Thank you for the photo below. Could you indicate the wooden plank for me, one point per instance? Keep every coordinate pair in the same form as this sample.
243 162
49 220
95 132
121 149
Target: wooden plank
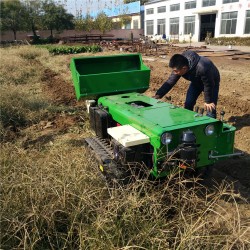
240 57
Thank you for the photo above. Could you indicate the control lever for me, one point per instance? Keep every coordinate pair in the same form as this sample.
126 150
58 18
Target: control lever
222 113
197 111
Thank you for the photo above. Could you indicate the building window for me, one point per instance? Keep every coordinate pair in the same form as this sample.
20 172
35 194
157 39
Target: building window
228 22
190 5
174 26
175 7
135 24
161 9
206 3
230 1
150 11
117 25
127 26
247 27
189 25
161 26
150 27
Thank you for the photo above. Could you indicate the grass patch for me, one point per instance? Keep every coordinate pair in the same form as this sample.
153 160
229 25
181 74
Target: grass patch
57 200
31 52
19 109
22 101
53 197
19 66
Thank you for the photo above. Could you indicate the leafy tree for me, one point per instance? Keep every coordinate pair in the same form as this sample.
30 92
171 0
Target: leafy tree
12 16
86 23
125 19
33 13
89 23
79 23
103 22
55 17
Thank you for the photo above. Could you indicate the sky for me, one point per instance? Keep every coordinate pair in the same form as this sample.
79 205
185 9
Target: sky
88 6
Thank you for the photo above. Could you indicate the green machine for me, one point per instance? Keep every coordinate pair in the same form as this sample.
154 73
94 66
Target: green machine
132 128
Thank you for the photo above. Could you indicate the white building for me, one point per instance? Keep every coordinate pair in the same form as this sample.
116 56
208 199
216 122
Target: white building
182 19
132 11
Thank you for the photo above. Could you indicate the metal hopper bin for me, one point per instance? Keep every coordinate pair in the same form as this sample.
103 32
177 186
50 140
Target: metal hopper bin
94 77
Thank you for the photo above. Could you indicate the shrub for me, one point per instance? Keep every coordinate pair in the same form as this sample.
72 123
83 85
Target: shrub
47 40
64 49
237 41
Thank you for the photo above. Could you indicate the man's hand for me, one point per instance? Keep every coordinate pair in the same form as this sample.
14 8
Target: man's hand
209 106
157 97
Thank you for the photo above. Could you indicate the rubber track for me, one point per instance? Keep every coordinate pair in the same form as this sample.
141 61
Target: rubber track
101 149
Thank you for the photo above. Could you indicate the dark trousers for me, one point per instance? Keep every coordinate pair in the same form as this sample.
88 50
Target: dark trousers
193 93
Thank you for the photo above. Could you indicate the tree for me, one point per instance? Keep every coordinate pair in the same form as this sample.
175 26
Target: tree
86 23
131 1
125 19
89 23
55 17
103 22
12 17
33 13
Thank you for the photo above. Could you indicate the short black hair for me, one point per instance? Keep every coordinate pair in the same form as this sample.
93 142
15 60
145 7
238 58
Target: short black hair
178 61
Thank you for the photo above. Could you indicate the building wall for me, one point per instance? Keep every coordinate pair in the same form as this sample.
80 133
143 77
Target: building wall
217 11
135 17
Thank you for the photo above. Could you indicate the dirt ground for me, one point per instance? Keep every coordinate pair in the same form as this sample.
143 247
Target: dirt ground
234 99
234 95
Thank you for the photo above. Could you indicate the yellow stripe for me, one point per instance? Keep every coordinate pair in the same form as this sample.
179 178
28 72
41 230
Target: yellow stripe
101 167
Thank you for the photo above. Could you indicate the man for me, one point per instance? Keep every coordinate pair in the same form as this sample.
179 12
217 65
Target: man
203 76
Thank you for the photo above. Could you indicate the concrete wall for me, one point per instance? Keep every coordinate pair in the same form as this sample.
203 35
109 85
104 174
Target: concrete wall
121 33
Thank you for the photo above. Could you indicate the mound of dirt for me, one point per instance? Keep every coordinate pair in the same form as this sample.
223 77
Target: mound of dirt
60 91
